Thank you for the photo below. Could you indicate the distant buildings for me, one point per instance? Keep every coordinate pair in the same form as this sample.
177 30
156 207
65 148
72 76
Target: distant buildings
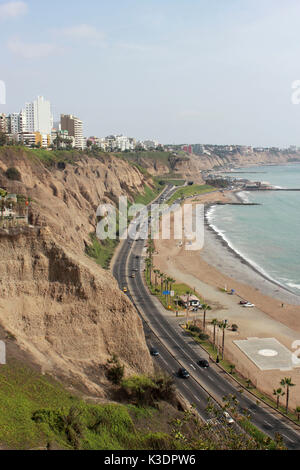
74 127
34 127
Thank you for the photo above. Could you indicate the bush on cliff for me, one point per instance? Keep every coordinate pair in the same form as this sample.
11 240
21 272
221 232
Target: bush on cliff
115 372
13 174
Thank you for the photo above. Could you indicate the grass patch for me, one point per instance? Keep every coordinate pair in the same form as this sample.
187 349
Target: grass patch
22 392
189 191
101 251
37 411
149 194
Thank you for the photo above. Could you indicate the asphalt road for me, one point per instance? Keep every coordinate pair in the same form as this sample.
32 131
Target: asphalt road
177 350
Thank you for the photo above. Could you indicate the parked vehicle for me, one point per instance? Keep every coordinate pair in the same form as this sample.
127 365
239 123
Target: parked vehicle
125 290
133 275
183 374
249 305
244 302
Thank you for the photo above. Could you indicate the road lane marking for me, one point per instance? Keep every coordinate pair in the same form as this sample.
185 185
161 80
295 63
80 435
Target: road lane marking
293 442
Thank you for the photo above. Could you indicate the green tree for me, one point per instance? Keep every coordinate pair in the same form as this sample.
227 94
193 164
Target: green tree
215 324
3 139
298 412
223 326
287 383
278 393
205 308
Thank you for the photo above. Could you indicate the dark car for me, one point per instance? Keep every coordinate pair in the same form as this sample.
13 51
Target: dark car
243 302
154 352
183 374
203 363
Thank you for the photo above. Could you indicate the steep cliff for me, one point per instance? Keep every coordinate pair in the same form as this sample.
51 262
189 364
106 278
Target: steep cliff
59 305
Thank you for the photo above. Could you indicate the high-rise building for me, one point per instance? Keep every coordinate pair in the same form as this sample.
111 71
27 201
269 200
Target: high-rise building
37 116
74 126
15 123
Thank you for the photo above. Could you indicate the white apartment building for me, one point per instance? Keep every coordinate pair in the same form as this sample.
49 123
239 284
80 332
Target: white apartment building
37 116
15 123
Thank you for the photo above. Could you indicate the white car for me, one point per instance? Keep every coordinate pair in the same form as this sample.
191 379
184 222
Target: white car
228 418
249 305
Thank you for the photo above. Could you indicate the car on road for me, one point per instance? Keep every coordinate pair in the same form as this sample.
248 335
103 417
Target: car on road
133 275
203 363
154 352
228 418
183 373
125 290
244 302
249 305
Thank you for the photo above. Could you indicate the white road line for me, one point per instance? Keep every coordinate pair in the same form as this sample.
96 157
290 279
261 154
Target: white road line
288 439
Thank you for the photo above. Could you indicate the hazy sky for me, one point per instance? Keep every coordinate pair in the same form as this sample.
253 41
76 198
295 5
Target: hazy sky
207 71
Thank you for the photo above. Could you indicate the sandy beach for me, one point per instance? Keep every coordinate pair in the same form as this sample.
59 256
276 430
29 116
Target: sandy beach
217 266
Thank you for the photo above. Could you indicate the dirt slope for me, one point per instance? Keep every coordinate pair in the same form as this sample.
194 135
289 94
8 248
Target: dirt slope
62 307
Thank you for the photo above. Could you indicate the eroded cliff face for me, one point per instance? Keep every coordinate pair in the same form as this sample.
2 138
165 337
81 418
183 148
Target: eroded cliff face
207 162
61 307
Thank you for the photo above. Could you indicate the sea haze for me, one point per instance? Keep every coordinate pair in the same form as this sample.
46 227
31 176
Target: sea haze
268 236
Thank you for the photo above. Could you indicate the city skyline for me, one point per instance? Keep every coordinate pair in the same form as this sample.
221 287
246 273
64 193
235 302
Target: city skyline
174 73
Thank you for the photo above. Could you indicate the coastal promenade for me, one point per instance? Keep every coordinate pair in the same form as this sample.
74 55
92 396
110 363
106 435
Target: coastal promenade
178 350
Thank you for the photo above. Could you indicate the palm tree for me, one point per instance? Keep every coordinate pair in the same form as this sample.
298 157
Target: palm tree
223 326
156 272
149 266
162 277
287 383
214 323
169 282
278 393
188 293
205 308
298 412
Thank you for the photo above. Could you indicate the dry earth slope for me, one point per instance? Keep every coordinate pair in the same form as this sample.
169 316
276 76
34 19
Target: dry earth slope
61 307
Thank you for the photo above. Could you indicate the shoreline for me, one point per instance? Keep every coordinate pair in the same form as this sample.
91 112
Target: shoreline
293 299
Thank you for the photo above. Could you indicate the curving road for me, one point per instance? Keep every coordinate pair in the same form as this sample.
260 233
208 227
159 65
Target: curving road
177 349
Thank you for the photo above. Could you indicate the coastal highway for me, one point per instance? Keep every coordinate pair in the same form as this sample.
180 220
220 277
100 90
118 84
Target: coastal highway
178 350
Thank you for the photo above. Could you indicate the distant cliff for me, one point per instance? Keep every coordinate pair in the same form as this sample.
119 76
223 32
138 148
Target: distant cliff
61 307
181 164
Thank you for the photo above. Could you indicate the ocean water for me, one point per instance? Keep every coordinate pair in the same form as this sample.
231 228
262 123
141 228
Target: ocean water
268 236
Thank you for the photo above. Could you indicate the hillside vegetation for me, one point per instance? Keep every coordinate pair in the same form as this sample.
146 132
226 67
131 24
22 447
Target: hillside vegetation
39 413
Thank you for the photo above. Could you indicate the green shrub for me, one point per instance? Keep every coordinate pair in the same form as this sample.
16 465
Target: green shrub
203 337
13 174
195 329
146 391
115 371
